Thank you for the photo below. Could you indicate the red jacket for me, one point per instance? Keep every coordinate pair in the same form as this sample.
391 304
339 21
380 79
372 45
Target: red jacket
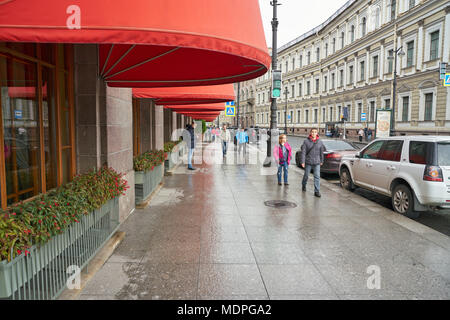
278 152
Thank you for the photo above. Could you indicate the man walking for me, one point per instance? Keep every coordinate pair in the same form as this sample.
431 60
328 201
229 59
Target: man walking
361 134
190 140
225 136
242 139
312 158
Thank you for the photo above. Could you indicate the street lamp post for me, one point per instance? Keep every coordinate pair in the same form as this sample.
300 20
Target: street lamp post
273 106
395 54
285 110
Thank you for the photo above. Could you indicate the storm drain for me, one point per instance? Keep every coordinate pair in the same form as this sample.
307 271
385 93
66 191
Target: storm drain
280 204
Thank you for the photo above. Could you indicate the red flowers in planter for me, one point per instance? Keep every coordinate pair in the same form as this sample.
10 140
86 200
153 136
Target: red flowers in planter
148 160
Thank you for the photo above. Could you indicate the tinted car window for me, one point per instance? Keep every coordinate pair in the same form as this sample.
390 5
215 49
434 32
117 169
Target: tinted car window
372 151
392 150
337 145
444 153
421 152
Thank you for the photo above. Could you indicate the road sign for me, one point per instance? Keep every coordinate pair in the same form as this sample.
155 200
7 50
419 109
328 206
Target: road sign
363 117
447 80
229 103
230 111
18 114
289 117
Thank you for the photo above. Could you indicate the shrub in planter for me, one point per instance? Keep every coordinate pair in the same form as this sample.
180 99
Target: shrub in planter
36 221
149 160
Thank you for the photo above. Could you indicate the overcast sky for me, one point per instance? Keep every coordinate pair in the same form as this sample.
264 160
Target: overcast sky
296 17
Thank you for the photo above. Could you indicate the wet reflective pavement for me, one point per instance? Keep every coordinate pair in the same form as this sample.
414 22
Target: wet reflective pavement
208 235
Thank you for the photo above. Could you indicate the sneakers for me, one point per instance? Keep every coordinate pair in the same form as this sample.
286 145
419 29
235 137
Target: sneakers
317 194
279 183
191 168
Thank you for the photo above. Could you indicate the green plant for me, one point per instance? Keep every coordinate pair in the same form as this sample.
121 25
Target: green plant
35 222
168 146
149 160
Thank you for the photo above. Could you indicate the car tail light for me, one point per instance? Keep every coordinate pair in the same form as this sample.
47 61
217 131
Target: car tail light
433 173
333 156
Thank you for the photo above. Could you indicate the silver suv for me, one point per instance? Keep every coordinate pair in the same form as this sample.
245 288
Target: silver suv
413 170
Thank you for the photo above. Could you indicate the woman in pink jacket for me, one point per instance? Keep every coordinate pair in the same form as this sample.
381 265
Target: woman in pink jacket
283 155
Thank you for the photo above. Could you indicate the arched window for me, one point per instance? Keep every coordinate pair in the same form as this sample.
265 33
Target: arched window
342 39
363 27
352 33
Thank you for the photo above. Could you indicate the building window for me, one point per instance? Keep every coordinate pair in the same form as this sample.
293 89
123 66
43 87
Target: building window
339 113
350 72
300 92
405 110
333 78
298 116
410 54
309 57
387 103
375 66
331 114
37 129
325 83
377 17
278 117
315 115
352 33
362 70
326 49
306 116
317 54
287 66
359 112
293 63
324 115
412 4
308 88
342 40
363 26
372 111
428 107
292 91
334 45
390 61
393 9
317 86
264 98
301 61
341 78
434 45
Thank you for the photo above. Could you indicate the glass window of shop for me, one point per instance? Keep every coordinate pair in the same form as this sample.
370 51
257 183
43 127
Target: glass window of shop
36 119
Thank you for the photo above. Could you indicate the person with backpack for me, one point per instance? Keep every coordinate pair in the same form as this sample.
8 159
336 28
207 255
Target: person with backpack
283 155
312 158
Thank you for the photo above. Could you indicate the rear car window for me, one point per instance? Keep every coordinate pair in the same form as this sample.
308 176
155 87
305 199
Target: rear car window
392 150
421 152
443 153
338 145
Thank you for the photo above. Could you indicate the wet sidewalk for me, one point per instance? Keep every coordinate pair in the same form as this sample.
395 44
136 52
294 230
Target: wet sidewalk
208 235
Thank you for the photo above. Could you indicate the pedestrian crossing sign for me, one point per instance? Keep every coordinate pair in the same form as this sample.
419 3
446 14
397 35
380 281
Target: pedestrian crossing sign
447 80
230 111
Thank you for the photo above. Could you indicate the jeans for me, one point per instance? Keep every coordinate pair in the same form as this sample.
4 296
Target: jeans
316 169
191 152
281 167
224 147
242 146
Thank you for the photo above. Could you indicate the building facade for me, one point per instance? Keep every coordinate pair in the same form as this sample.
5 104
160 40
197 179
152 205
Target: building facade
344 63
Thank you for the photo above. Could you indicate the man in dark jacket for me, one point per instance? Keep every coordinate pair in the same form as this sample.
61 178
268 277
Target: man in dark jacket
312 158
190 141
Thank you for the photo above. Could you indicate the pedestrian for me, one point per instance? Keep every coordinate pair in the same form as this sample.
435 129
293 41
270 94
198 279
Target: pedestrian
241 137
190 140
225 136
312 158
365 133
283 155
360 134
369 134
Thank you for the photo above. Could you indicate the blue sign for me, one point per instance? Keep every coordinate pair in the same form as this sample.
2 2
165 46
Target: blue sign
447 80
230 111
363 117
18 114
345 115
229 103
289 117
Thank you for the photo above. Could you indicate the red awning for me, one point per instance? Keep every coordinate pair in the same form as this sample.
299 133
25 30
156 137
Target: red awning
187 95
150 43
218 107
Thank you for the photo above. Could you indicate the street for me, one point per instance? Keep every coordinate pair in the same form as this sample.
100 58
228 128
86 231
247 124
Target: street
439 221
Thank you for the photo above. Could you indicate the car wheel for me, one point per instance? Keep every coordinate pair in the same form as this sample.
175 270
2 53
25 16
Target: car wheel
403 201
346 180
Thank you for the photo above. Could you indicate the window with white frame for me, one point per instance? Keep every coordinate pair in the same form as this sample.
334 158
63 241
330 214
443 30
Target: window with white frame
404 111
427 104
298 116
375 66
300 92
306 116
352 33
363 26
351 74
410 54
433 39
362 70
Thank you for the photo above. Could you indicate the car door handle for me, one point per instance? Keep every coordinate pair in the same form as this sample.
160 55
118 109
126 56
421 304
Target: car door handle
391 168
369 165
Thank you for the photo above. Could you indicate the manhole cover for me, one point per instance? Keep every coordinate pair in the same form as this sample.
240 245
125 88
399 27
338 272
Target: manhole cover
280 204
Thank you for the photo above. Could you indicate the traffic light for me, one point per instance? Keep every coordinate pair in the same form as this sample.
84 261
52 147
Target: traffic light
276 83
442 70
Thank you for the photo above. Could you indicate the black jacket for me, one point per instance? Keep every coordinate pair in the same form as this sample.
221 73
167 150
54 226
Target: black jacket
190 136
312 152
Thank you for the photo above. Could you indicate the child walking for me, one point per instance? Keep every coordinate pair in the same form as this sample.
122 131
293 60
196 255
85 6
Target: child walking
283 155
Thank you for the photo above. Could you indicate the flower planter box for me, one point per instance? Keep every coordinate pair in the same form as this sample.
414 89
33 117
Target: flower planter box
146 182
44 272
172 158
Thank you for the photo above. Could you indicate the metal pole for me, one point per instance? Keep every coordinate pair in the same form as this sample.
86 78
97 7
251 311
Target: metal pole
238 102
394 89
285 111
273 106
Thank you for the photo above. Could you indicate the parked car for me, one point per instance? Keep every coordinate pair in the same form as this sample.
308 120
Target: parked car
413 170
334 151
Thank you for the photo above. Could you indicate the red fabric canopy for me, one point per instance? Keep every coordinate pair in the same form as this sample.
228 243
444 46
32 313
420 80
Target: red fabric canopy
218 107
187 95
150 43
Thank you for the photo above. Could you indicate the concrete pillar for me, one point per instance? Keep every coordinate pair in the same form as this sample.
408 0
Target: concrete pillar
103 123
174 126
146 124
420 46
446 57
158 127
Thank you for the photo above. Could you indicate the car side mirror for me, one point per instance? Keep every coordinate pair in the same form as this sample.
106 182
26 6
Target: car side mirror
358 155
